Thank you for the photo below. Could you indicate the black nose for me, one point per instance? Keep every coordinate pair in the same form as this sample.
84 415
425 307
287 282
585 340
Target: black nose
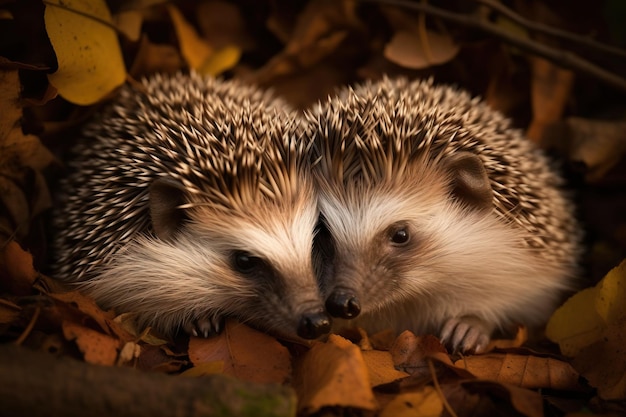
343 304
313 325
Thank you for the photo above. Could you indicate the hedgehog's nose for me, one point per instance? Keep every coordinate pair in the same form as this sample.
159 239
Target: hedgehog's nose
344 304
313 325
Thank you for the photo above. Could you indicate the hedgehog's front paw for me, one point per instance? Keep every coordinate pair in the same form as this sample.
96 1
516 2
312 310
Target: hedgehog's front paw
205 327
466 334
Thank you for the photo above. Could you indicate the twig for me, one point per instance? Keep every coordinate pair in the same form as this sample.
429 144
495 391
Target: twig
538 27
562 58
444 400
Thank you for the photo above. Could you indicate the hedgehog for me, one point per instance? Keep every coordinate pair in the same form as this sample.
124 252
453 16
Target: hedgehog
190 200
437 216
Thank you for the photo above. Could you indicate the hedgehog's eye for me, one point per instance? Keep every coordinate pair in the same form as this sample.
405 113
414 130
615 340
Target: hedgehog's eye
399 236
246 263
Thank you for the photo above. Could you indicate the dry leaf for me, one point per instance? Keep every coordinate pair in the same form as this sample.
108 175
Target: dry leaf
424 403
197 52
584 318
380 367
153 57
97 348
206 368
521 336
409 352
526 402
603 363
524 371
194 49
9 311
599 144
246 353
129 23
23 192
87 306
550 90
222 60
87 49
409 50
16 269
319 30
333 374
222 24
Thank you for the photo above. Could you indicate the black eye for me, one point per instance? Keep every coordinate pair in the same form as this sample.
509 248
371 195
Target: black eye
246 263
399 236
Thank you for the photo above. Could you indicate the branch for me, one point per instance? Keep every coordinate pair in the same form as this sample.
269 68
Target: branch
39 384
550 31
563 58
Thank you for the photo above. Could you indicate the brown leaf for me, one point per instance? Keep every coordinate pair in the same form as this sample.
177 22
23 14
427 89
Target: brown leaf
16 269
9 311
88 307
380 367
155 358
528 403
153 57
222 24
409 352
246 353
524 371
550 90
603 363
319 30
96 347
23 195
333 374
599 144
413 51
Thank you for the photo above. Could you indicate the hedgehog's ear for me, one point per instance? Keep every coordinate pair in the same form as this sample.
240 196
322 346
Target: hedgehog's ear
470 182
166 197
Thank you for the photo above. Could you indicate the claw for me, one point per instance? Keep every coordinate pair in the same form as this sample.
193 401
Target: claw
466 334
205 327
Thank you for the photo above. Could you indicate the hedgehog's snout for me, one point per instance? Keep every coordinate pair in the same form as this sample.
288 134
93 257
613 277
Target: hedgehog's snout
343 303
313 325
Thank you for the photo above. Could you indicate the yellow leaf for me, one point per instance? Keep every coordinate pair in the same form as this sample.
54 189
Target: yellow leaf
87 49
424 403
583 319
194 49
222 60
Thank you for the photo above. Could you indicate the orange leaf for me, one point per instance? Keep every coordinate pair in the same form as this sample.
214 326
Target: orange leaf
97 348
194 49
380 367
333 374
409 50
523 371
246 353
520 338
